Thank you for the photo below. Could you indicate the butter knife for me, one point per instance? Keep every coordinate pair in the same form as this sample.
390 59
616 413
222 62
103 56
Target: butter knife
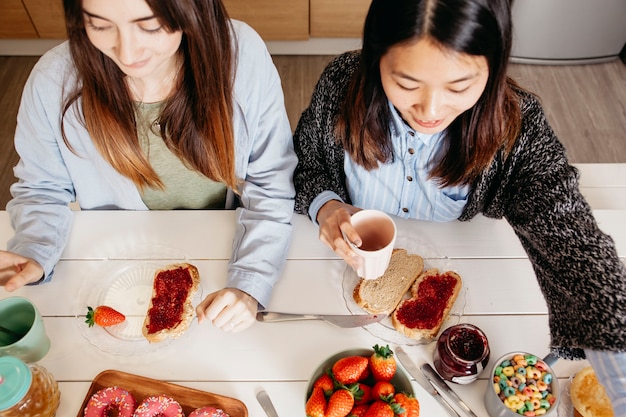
415 372
266 403
339 320
441 385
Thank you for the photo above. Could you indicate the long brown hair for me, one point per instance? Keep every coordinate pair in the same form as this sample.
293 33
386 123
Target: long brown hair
196 121
474 27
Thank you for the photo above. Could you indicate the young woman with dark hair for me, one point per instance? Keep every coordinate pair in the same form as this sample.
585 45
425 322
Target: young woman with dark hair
155 105
424 123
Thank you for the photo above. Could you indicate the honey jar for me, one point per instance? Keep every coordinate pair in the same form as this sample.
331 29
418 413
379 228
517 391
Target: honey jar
27 390
461 354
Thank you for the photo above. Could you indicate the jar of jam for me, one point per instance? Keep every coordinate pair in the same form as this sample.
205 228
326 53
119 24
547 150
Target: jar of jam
461 354
27 390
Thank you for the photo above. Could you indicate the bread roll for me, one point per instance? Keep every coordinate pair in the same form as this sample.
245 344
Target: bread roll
588 395
171 310
432 296
382 295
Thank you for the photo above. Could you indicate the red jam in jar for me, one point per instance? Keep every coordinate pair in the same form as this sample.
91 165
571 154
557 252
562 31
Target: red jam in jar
461 354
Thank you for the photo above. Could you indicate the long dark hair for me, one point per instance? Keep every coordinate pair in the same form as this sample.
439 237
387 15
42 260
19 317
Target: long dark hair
196 121
474 27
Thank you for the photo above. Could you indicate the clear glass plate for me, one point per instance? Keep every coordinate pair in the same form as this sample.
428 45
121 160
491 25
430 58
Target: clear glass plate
127 287
384 329
566 408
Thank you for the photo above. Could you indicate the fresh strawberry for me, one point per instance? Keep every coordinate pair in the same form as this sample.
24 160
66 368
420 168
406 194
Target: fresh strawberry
316 404
382 363
326 383
351 369
383 390
379 408
363 395
103 316
340 403
359 410
409 404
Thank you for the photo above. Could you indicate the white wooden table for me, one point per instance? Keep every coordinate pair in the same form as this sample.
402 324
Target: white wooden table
280 357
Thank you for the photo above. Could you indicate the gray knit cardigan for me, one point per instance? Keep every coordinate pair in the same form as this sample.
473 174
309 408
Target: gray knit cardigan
534 189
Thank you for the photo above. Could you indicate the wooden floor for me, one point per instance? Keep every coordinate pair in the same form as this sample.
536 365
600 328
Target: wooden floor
586 104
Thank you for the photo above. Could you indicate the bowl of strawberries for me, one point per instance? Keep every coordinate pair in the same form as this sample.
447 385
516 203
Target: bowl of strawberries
361 383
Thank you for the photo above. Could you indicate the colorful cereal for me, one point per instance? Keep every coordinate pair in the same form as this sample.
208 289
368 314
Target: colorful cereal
524 384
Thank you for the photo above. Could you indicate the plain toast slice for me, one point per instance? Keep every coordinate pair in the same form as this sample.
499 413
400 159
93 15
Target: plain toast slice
383 294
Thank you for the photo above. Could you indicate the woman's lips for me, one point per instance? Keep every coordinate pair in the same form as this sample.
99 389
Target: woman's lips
137 64
429 124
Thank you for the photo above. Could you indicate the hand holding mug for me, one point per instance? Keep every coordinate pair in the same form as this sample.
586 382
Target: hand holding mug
377 235
334 223
363 238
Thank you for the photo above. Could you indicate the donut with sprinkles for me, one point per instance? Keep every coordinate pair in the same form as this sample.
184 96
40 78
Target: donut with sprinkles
208 412
159 405
110 399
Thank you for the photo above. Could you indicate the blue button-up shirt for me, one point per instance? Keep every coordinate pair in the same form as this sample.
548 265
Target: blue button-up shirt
401 187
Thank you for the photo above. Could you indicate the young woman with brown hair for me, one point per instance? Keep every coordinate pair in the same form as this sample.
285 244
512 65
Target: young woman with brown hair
423 123
155 105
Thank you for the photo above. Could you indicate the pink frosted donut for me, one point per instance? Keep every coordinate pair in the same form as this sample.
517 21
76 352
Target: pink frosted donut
109 399
160 405
209 412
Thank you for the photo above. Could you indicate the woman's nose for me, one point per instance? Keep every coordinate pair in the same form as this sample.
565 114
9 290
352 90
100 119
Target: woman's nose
430 104
126 48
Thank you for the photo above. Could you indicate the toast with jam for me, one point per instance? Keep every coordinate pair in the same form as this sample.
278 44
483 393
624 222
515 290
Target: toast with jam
171 309
432 296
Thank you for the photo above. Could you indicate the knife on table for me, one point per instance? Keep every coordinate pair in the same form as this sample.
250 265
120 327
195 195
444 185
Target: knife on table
415 372
441 385
339 320
266 404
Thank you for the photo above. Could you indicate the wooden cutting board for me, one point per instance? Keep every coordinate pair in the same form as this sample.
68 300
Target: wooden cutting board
142 387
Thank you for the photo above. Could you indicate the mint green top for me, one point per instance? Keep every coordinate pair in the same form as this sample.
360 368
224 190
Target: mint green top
15 380
184 187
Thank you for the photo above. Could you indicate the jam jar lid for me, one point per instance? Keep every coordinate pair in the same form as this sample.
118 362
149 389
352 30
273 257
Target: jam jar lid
15 380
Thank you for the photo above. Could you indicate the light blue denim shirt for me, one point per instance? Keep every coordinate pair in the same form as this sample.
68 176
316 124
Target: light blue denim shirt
50 176
402 186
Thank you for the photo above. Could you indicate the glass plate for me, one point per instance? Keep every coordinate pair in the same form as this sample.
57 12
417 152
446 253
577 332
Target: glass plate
566 408
384 329
127 287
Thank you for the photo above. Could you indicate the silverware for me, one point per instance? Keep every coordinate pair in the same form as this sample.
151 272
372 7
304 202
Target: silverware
339 320
266 403
414 371
438 382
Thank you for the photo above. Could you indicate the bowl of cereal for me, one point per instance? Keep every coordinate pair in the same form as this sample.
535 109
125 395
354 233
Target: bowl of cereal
522 384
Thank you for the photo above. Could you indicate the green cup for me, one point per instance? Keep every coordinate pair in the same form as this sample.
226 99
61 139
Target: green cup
22 333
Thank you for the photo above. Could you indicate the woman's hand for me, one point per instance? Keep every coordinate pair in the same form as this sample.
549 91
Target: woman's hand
17 271
333 219
230 309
